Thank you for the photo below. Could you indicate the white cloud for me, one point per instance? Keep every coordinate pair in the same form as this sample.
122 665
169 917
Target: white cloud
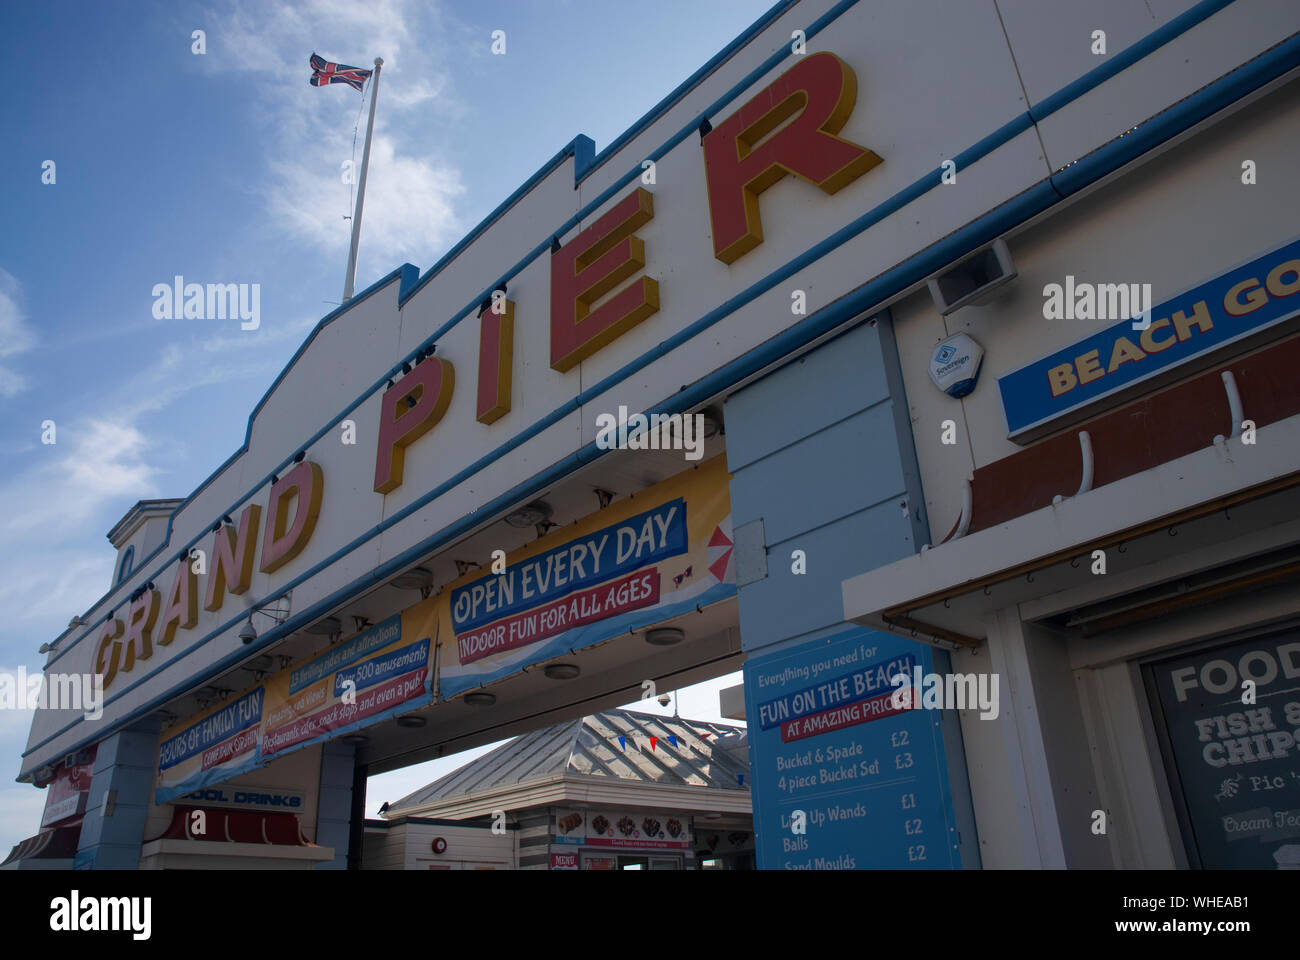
66 582
409 209
92 463
16 336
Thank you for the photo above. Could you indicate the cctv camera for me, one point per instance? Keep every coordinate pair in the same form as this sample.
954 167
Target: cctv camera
248 634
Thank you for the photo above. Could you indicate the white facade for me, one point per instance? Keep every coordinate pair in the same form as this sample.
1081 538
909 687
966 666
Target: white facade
992 121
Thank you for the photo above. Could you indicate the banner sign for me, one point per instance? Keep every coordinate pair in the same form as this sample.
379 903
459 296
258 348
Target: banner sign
635 563
66 795
366 678
219 743
1235 762
844 779
345 687
1241 302
248 798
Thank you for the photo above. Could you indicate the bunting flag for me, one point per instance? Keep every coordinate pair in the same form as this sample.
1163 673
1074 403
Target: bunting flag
622 744
672 738
653 741
740 779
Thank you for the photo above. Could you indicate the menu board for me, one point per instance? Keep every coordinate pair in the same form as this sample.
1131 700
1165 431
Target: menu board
843 777
627 829
1232 751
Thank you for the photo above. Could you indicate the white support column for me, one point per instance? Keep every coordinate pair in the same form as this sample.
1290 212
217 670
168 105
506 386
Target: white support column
1030 783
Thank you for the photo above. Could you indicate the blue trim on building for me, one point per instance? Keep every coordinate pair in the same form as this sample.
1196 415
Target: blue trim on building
1207 101
693 81
580 148
1175 119
1130 55
126 565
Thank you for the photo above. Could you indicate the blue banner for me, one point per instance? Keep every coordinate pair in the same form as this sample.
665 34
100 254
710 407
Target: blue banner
583 562
1243 301
407 659
864 683
360 646
240 715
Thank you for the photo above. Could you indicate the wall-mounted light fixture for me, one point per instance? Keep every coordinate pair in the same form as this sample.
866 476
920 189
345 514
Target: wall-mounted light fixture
529 515
326 627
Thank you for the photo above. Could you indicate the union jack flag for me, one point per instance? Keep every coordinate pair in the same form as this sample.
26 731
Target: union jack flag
324 73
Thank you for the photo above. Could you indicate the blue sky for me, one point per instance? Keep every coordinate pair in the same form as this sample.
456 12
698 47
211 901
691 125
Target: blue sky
225 168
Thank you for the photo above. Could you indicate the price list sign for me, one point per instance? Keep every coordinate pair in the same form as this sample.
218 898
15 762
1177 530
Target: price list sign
846 775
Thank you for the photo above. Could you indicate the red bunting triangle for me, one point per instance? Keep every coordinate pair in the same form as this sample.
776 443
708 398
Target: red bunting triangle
653 741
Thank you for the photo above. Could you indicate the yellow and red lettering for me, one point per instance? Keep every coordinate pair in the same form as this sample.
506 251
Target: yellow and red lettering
496 352
1124 351
109 643
1088 366
182 609
1255 298
232 558
1062 379
1148 339
743 157
591 265
429 386
138 643
1200 319
1277 286
282 541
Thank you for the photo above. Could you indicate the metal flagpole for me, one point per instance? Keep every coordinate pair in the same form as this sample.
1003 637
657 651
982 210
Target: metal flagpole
361 186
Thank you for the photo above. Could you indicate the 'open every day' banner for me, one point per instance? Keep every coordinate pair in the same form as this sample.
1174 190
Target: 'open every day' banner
637 562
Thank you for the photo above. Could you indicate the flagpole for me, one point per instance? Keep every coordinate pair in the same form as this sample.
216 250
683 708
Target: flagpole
361 186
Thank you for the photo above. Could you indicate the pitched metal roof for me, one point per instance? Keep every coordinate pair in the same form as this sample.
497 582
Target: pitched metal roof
703 756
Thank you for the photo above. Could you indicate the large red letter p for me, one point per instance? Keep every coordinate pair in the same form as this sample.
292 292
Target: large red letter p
409 410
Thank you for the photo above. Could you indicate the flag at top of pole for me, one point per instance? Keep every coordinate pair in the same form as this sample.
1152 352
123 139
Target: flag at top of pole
323 74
